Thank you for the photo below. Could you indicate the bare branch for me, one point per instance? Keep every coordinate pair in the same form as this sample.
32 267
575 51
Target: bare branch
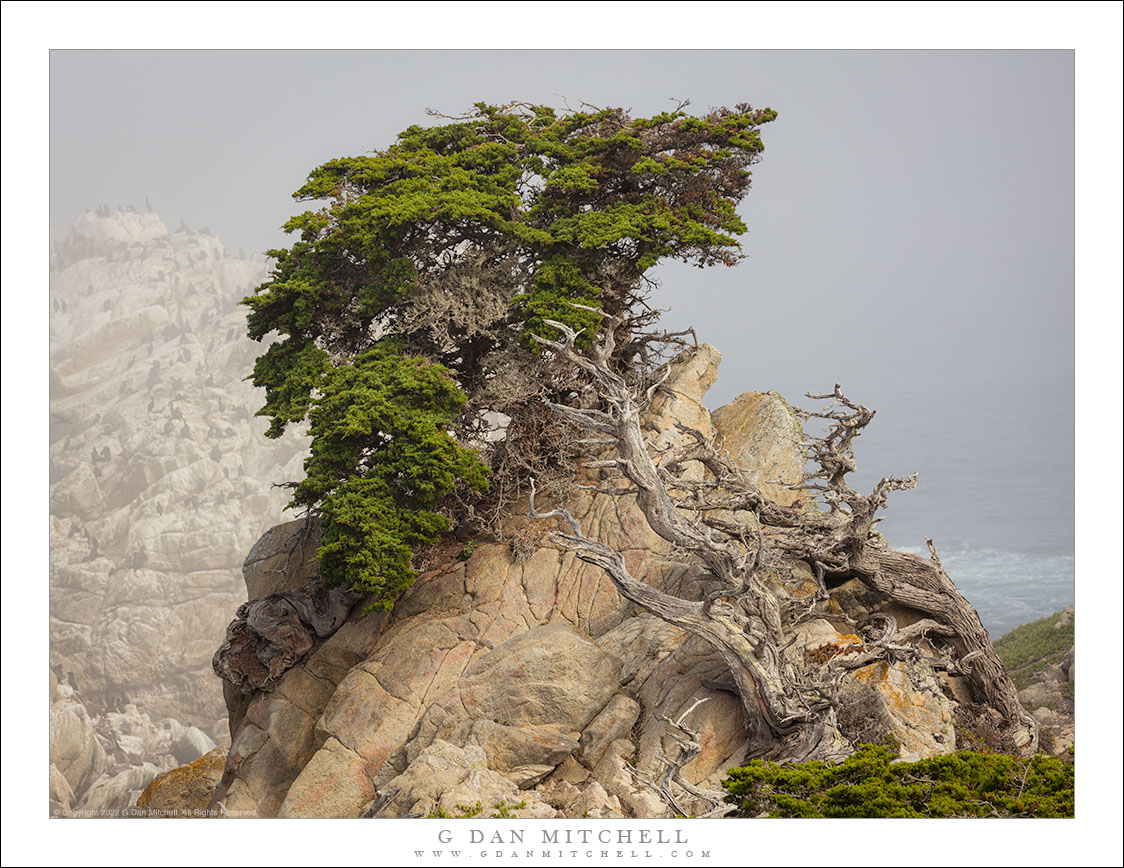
791 709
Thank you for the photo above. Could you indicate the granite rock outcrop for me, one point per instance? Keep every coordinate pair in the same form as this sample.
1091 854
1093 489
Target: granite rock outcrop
527 686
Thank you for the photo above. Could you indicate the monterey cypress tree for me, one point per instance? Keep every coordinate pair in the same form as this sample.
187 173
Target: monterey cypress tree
406 307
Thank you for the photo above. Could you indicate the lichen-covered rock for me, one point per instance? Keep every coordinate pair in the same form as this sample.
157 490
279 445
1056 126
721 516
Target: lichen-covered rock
185 791
910 701
906 701
762 434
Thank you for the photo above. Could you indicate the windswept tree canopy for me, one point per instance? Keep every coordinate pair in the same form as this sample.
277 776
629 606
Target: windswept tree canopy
406 308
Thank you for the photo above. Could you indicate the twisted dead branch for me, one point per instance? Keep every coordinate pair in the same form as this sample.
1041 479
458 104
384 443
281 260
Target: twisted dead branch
689 748
730 527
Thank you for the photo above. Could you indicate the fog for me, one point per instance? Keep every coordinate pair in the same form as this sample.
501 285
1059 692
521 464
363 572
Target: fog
911 224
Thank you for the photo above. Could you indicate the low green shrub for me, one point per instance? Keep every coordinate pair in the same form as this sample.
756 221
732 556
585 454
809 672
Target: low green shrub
871 783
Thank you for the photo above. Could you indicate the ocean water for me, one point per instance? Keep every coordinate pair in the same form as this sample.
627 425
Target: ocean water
996 491
1008 588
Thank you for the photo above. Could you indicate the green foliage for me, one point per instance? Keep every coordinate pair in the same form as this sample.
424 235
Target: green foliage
381 457
291 373
550 210
558 284
871 783
500 810
503 811
1032 647
590 200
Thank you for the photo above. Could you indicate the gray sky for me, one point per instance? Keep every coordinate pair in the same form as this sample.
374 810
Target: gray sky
911 225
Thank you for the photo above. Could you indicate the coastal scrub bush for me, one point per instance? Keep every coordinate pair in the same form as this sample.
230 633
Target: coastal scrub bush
871 783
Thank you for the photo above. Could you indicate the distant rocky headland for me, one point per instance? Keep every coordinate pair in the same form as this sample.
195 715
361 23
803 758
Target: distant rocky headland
160 481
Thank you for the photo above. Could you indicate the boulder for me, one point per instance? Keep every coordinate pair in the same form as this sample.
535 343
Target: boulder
61 793
435 771
615 773
108 792
190 743
593 802
761 433
283 559
487 794
545 675
613 722
679 399
185 791
909 702
76 753
526 751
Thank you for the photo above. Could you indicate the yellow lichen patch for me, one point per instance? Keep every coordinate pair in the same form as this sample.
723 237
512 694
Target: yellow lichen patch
920 717
185 791
873 673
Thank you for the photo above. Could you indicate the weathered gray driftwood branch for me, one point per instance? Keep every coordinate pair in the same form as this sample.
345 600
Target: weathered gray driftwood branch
792 710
